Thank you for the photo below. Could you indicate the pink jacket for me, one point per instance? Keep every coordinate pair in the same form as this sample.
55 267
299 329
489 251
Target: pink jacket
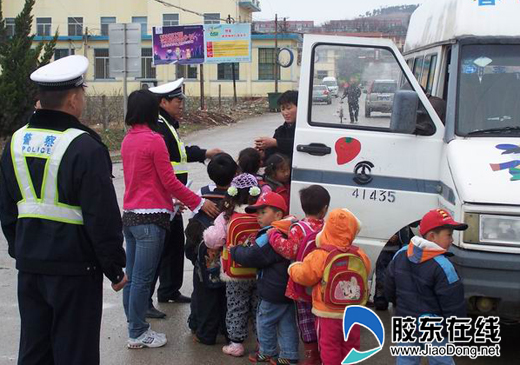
150 182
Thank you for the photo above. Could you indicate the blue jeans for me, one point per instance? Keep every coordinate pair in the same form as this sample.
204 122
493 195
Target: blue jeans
276 325
432 360
144 246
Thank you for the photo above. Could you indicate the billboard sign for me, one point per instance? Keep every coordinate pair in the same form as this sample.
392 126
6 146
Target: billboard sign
226 43
180 44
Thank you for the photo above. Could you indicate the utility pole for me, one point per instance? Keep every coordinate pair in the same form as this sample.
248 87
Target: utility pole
125 69
229 21
85 43
275 58
201 86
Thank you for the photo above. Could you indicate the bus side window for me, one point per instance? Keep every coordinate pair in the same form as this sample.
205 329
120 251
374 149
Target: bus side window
431 77
446 74
417 68
425 72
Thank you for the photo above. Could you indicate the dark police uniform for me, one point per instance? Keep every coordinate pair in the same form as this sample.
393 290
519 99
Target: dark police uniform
171 270
61 219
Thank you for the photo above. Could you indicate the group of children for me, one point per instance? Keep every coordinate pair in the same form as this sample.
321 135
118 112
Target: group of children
293 278
244 270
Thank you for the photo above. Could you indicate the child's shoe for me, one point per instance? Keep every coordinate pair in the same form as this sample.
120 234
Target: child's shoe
148 339
255 357
282 361
312 354
233 349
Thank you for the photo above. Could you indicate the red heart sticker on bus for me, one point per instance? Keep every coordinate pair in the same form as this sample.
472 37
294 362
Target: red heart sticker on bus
347 149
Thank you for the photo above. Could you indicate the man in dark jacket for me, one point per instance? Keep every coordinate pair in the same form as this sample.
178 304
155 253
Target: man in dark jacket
275 311
421 281
171 270
352 93
62 222
283 138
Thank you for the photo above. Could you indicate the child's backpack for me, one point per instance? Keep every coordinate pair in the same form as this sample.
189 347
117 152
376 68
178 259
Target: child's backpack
207 261
345 278
242 230
308 244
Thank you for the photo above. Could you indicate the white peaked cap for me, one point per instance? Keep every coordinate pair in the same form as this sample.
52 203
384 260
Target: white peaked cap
169 90
65 73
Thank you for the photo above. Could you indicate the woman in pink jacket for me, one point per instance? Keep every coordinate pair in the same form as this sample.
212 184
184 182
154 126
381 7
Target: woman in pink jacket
150 186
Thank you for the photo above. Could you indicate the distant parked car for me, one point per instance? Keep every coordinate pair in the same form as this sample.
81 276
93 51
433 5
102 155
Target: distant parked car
321 94
332 84
380 97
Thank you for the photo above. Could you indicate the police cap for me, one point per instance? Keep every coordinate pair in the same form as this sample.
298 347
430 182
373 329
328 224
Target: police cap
63 74
170 90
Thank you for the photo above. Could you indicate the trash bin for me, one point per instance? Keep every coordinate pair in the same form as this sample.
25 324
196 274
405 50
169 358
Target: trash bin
273 101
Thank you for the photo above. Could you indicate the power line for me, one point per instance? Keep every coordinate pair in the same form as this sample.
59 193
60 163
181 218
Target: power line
182 9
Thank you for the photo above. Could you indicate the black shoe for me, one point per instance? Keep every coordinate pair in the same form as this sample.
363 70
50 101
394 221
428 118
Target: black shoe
153 312
178 299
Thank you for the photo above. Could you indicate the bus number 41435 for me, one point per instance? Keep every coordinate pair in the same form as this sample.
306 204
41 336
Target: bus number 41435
375 195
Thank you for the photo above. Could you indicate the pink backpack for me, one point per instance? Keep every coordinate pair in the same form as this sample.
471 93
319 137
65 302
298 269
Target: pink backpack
307 245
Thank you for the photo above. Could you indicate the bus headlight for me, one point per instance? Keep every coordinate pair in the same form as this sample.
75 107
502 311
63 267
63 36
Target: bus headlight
493 229
499 229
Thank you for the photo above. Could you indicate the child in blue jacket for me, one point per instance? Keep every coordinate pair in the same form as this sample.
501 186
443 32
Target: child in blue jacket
276 313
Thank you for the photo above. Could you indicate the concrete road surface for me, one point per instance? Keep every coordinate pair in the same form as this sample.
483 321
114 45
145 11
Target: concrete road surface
181 350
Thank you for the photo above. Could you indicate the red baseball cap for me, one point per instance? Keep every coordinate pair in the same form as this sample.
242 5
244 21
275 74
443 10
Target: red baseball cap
439 218
268 200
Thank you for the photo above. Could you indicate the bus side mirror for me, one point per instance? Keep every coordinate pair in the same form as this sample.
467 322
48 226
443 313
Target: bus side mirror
404 112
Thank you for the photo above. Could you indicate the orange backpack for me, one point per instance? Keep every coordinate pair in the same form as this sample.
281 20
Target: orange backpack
242 230
345 278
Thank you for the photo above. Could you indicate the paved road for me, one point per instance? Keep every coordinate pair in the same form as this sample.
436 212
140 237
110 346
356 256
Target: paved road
181 350
330 113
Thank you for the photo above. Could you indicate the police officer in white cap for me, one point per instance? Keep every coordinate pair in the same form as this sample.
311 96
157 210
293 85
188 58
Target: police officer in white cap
61 219
171 270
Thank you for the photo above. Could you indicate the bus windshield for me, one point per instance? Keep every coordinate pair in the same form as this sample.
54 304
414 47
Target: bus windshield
489 90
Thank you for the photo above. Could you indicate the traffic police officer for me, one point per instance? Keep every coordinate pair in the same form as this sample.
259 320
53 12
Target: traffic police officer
171 270
61 219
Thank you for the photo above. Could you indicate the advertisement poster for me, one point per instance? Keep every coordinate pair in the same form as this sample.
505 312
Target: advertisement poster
227 43
181 44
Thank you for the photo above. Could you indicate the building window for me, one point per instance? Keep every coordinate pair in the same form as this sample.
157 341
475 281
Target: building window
225 71
105 22
144 23
43 26
320 74
211 18
9 25
60 53
101 64
266 57
187 71
75 26
147 71
170 20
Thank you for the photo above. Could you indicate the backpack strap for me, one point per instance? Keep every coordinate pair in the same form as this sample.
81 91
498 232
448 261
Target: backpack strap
306 228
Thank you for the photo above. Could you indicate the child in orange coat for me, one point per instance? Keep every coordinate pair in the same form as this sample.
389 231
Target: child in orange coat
339 231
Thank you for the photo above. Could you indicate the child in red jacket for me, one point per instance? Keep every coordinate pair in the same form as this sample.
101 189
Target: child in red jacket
315 202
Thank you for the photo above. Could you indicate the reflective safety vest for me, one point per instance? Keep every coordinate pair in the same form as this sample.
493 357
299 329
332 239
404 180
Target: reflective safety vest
180 167
49 145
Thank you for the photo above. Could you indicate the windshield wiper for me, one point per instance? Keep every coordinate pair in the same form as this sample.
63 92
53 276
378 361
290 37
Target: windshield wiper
495 130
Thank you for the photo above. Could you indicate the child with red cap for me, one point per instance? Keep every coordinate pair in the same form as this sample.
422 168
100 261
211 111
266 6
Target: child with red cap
421 281
276 318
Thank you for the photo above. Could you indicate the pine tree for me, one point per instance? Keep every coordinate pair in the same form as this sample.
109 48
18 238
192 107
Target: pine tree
17 62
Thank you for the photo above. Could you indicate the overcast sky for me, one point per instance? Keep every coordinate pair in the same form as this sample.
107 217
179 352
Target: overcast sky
322 10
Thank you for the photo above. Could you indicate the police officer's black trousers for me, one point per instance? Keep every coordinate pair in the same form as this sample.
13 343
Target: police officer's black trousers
60 319
171 268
